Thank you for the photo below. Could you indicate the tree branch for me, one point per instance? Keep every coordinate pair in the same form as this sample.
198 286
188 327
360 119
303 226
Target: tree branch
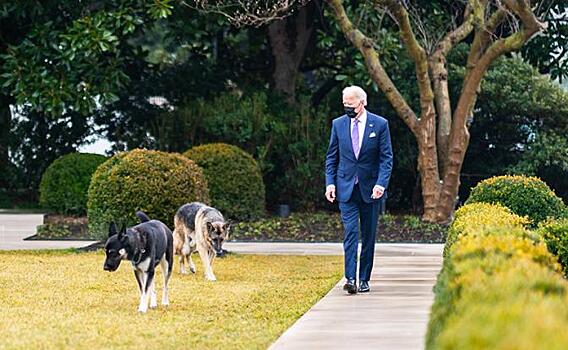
379 75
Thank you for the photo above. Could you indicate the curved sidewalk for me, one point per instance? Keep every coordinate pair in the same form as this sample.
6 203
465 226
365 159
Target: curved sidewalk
15 227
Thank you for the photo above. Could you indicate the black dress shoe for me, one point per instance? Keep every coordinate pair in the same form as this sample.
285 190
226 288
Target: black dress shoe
350 286
364 287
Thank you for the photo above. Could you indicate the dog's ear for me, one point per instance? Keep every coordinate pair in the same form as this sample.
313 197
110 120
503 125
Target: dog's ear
227 227
112 229
122 231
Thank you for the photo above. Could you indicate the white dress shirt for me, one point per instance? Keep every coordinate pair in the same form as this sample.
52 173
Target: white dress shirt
361 125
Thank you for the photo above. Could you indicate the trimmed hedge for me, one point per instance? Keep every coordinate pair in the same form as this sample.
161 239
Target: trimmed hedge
156 182
555 233
525 196
475 218
499 286
235 181
64 184
522 306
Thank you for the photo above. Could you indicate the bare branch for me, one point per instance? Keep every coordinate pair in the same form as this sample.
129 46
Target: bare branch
379 75
248 12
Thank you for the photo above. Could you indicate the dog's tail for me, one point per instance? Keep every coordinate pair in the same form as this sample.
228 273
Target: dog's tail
142 216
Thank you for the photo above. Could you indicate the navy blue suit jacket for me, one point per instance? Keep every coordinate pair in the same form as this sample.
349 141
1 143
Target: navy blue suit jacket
374 165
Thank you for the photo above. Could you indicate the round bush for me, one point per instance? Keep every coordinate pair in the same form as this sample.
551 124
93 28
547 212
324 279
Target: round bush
157 183
234 178
524 195
65 183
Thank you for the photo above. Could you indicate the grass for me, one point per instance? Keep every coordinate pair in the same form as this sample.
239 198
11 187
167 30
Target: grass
65 300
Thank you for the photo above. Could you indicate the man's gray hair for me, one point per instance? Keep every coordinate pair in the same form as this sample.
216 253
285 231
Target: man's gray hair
358 92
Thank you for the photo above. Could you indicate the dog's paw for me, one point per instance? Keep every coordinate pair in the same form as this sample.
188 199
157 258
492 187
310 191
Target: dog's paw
212 278
192 269
142 310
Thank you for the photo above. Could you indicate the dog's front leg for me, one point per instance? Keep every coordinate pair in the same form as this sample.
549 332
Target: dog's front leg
204 255
148 280
211 255
140 280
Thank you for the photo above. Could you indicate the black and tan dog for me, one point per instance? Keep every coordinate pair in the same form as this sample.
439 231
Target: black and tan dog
202 228
146 245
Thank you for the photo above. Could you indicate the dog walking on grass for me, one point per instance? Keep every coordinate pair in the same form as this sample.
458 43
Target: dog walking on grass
202 228
146 245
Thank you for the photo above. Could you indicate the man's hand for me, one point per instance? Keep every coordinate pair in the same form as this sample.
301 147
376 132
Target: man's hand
377 192
330 193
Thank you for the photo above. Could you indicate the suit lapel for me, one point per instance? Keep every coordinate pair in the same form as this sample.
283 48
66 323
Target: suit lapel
347 128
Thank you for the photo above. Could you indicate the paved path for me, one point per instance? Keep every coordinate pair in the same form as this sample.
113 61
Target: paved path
15 227
394 315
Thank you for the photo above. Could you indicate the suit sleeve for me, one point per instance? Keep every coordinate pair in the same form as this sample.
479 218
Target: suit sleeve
332 158
385 157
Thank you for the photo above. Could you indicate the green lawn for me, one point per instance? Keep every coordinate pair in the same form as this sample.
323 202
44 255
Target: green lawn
66 300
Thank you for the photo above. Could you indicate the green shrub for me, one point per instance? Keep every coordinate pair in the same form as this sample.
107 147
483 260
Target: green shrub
525 196
235 182
474 218
555 233
479 257
65 183
156 182
523 305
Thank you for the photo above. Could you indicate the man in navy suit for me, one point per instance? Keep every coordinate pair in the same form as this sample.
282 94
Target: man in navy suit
358 167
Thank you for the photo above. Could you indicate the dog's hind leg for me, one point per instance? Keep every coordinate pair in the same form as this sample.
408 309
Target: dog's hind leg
166 272
181 264
153 296
191 264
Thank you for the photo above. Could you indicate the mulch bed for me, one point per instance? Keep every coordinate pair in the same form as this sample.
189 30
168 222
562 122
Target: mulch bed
299 227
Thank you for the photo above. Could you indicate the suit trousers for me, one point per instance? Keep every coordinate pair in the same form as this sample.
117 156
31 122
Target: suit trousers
358 216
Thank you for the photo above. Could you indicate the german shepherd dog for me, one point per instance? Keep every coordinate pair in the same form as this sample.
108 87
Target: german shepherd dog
146 245
202 228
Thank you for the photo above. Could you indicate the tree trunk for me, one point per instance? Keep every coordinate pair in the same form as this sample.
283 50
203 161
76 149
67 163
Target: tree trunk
289 40
442 145
428 167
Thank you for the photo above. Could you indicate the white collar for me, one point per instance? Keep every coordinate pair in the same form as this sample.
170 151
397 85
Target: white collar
362 117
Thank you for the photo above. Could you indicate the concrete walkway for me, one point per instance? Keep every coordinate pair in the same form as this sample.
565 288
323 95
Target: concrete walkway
15 227
394 315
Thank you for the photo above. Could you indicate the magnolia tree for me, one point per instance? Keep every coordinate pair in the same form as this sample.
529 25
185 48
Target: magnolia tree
492 27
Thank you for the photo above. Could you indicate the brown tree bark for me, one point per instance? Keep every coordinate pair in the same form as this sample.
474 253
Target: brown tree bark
441 134
289 38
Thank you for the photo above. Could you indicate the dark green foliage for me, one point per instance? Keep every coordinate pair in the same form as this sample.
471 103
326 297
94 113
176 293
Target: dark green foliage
157 183
65 183
235 182
525 196
555 233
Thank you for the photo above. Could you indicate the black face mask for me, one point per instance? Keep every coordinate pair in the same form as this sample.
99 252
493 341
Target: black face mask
350 111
